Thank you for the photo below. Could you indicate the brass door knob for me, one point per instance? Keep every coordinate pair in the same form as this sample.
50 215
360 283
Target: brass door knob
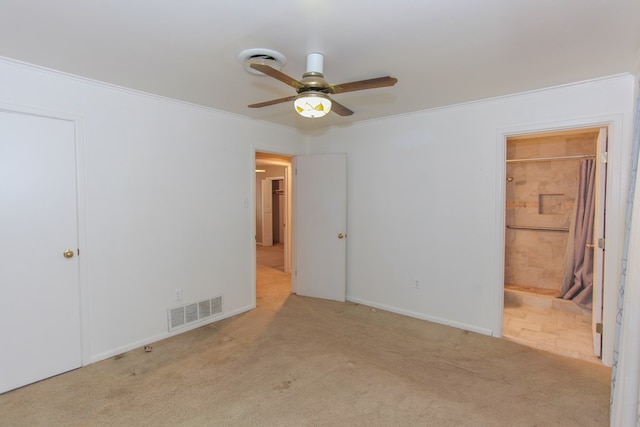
68 253
340 236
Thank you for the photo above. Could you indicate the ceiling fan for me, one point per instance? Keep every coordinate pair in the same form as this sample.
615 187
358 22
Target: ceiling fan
313 90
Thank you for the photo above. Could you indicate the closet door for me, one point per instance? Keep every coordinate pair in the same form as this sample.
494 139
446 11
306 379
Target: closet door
40 303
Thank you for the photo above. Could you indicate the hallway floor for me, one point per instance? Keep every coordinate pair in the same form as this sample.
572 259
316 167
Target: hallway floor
270 256
548 323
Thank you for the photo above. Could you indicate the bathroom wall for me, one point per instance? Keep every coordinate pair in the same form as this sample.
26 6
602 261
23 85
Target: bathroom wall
541 195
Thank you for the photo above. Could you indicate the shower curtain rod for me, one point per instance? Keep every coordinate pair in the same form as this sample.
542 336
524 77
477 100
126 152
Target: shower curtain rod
540 159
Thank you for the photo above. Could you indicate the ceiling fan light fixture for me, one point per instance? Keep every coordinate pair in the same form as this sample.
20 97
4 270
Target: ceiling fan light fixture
312 104
312 100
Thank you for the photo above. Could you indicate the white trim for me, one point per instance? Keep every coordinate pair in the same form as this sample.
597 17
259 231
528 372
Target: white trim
421 316
159 337
616 192
293 184
624 408
111 86
288 248
253 236
497 306
481 101
305 133
85 289
83 275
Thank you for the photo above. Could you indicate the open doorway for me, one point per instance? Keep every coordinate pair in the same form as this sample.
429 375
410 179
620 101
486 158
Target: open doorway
273 224
544 191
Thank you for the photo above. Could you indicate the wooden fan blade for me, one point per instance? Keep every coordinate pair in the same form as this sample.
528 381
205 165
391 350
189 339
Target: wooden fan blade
363 84
272 102
340 109
272 72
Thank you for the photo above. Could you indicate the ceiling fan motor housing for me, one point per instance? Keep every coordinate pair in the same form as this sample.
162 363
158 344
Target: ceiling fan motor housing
313 82
315 63
313 79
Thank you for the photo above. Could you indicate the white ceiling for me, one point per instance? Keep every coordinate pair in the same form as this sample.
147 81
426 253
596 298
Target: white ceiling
442 51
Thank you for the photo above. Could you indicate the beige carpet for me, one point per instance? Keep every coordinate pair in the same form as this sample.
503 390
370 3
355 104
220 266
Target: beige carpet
298 361
271 256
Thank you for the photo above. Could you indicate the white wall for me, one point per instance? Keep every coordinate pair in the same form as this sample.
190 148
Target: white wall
426 198
168 202
168 199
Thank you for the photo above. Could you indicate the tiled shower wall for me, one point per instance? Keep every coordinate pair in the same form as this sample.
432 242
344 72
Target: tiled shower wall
541 194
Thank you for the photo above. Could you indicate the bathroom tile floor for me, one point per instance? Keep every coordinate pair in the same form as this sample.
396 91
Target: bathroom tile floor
549 324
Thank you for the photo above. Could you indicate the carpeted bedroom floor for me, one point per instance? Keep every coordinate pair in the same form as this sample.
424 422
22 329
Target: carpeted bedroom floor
297 361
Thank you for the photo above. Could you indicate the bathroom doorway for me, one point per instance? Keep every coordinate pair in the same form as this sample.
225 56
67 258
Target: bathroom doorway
542 203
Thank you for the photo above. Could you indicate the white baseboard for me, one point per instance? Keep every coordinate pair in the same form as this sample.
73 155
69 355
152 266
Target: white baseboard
141 343
421 316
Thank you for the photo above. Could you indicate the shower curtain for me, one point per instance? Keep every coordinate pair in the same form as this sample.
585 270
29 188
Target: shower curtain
577 278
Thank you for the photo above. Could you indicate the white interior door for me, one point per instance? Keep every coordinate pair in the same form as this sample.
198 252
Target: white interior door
598 239
267 216
40 304
320 226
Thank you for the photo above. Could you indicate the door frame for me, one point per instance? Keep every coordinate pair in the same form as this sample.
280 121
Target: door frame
288 178
599 230
83 288
616 185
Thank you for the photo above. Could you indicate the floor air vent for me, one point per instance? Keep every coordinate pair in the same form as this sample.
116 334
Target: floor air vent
193 312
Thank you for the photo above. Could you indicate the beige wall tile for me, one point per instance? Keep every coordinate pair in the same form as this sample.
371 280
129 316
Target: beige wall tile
536 258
